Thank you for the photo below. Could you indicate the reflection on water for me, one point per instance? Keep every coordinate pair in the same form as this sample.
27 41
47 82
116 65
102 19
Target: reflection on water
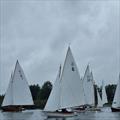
16 116
38 115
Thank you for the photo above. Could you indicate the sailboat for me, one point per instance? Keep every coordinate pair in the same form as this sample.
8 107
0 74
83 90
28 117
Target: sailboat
89 90
104 95
116 101
18 95
88 86
66 90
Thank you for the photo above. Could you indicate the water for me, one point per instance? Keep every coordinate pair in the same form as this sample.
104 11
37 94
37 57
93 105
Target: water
106 114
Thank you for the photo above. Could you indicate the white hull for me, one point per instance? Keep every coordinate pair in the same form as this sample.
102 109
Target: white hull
59 114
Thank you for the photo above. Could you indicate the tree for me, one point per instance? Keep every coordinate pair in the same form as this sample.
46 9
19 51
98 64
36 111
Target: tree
110 90
35 89
1 99
45 91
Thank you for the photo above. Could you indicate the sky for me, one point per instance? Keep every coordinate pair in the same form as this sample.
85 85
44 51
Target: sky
38 33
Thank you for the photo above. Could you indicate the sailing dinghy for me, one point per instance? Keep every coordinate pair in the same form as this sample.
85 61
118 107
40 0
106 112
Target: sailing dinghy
18 95
88 86
116 101
66 90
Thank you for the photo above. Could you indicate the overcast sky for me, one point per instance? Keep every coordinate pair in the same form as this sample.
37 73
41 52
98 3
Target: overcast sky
38 32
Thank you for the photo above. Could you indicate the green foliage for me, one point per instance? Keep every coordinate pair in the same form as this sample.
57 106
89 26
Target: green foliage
45 91
1 99
95 93
34 90
40 95
110 90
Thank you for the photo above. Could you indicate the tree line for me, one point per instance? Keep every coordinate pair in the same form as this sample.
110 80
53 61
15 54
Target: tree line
40 94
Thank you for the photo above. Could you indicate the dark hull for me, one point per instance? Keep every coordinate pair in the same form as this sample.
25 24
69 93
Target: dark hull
12 109
115 109
80 108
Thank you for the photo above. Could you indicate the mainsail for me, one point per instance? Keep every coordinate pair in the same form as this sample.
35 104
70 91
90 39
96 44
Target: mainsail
104 95
67 90
88 87
100 103
18 92
116 100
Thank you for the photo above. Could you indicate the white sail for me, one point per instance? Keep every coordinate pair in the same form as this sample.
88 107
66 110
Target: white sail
18 92
8 99
100 103
71 84
88 87
53 102
68 90
104 95
116 100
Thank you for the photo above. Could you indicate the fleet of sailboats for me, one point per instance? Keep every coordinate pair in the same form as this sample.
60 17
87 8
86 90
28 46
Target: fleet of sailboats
70 93
18 95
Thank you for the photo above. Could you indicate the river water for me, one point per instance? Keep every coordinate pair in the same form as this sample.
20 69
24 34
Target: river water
106 114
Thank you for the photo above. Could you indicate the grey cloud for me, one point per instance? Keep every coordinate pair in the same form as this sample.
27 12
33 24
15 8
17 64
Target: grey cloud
38 34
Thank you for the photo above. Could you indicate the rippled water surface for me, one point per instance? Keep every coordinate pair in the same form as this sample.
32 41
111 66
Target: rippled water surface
106 114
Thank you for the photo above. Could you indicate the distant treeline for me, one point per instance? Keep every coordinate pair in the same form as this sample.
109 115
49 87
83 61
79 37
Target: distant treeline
41 94
110 91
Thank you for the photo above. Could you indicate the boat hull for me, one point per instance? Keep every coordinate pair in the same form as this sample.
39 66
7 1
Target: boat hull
93 109
12 109
115 109
59 114
79 109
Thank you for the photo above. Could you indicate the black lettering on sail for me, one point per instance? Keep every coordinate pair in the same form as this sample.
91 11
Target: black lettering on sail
73 68
20 75
88 78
